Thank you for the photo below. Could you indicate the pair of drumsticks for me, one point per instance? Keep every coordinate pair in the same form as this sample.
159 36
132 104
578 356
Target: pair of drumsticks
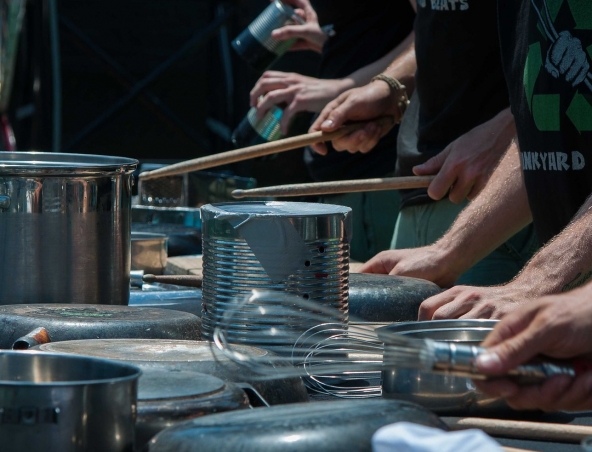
319 188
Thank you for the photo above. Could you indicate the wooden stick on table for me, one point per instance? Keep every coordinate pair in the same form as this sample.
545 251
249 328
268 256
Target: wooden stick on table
259 150
344 186
536 431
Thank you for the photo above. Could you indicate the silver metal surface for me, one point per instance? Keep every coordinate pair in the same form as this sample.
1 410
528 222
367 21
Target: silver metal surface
149 252
276 15
232 270
267 127
194 356
66 403
442 393
166 296
12 13
65 235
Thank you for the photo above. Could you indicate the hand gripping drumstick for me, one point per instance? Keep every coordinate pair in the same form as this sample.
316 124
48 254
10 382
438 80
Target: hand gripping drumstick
259 150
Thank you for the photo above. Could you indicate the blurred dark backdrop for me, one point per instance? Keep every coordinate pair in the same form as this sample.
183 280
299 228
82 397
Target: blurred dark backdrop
150 79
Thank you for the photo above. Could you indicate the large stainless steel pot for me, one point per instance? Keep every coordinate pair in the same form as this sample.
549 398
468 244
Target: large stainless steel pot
442 393
66 403
64 228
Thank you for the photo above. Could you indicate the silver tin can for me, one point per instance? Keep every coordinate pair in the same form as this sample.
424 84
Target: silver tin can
64 228
256 45
294 247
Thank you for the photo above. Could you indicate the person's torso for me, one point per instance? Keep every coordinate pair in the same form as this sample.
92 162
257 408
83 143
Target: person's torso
547 52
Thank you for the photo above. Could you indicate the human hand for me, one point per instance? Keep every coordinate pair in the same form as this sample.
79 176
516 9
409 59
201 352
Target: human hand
463 168
557 326
368 102
426 263
567 58
297 92
309 36
467 302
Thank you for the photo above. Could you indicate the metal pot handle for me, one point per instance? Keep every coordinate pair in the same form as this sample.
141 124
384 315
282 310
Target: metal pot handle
36 337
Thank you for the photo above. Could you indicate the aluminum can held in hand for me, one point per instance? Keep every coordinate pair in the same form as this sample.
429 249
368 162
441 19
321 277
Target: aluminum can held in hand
256 45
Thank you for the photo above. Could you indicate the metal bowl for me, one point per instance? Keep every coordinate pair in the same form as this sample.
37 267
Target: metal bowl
444 394
149 252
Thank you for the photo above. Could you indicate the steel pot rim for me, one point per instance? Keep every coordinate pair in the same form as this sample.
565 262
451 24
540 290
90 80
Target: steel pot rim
134 371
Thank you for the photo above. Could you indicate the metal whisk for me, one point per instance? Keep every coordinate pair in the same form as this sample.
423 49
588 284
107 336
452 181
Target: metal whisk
332 356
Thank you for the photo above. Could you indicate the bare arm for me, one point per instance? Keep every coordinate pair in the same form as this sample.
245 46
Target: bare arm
563 264
497 213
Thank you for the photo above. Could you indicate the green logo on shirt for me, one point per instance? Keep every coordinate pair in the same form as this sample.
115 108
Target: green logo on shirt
562 55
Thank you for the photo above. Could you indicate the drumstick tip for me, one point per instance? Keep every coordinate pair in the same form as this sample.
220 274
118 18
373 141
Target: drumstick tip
238 193
149 278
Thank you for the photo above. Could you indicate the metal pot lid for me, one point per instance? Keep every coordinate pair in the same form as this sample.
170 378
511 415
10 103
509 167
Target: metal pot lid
322 427
53 163
147 349
159 384
271 209
81 313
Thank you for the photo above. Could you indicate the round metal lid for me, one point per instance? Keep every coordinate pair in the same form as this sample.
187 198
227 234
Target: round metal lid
158 384
271 209
77 313
44 163
146 349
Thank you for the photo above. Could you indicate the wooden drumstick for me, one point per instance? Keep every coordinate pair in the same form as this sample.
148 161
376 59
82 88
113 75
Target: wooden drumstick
259 150
344 186
179 280
536 431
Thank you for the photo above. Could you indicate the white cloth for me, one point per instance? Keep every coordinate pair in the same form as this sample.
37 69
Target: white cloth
408 437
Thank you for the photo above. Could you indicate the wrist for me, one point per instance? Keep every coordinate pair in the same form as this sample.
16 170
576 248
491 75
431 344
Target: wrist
398 94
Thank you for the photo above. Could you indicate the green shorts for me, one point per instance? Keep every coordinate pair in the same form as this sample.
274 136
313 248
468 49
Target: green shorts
424 224
374 217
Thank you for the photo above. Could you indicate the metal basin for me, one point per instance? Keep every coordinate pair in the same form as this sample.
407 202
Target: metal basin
444 394
66 403
149 252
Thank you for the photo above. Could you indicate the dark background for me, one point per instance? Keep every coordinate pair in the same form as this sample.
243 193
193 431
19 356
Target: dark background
150 79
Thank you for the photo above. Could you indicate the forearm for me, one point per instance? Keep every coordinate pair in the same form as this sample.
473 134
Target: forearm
398 63
565 262
495 215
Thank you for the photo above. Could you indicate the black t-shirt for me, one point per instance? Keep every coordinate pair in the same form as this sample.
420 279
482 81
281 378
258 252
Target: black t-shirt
547 54
459 79
364 32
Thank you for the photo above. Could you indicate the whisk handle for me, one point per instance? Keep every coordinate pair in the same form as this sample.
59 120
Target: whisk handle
462 358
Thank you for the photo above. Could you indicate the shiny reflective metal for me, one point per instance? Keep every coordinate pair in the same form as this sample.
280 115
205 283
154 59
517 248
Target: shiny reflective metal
190 356
66 403
252 131
231 268
193 189
149 252
256 45
166 296
65 231
441 393
12 13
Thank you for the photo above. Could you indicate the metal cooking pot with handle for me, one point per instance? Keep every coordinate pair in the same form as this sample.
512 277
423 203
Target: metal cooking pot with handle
64 228
64 403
